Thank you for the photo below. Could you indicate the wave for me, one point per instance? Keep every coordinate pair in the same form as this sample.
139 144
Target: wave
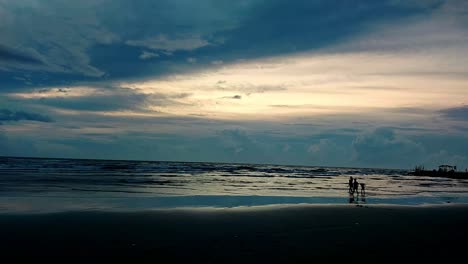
49 176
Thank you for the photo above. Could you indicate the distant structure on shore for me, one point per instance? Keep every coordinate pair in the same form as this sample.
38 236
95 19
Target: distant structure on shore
447 171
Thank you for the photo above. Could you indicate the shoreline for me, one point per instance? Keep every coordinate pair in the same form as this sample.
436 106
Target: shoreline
51 204
239 209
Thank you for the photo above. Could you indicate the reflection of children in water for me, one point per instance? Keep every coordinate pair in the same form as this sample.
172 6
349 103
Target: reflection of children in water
358 199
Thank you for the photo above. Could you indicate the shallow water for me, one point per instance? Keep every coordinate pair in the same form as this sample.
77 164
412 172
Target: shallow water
69 184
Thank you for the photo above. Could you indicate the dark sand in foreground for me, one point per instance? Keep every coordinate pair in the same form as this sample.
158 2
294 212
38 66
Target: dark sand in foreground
241 235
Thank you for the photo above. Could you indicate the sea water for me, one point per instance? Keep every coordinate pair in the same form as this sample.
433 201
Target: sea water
50 185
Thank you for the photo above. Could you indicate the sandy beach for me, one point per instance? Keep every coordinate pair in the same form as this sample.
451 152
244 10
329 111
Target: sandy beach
270 234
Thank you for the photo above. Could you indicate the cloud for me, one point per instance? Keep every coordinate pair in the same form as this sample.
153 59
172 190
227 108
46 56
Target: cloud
243 146
329 151
308 25
7 54
86 40
217 62
456 113
445 157
99 99
191 60
384 147
116 100
248 88
165 43
337 69
440 30
60 42
14 146
8 115
204 139
417 3
234 97
236 29
145 55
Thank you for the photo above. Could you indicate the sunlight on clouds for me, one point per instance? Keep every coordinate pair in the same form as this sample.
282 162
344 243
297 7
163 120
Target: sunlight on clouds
415 63
310 84
304 84
77 91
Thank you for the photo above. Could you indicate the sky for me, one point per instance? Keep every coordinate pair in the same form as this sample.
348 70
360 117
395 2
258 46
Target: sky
351 83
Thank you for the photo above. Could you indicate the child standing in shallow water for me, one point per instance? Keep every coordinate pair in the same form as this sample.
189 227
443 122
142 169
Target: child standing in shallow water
363 188
355 186
350 184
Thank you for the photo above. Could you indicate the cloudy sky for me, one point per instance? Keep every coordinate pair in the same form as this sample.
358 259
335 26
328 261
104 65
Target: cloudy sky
338 83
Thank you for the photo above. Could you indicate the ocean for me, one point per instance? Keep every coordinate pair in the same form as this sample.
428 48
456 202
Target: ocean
52 185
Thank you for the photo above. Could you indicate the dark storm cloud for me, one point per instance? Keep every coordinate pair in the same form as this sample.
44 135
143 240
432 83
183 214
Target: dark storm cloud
7 54
105 40
8 115
281 27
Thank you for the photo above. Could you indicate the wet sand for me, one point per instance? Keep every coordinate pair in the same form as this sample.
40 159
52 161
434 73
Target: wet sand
270 234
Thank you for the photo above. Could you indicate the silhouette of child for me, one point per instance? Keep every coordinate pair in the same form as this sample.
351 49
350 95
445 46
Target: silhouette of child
355 186
363 188
350 184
